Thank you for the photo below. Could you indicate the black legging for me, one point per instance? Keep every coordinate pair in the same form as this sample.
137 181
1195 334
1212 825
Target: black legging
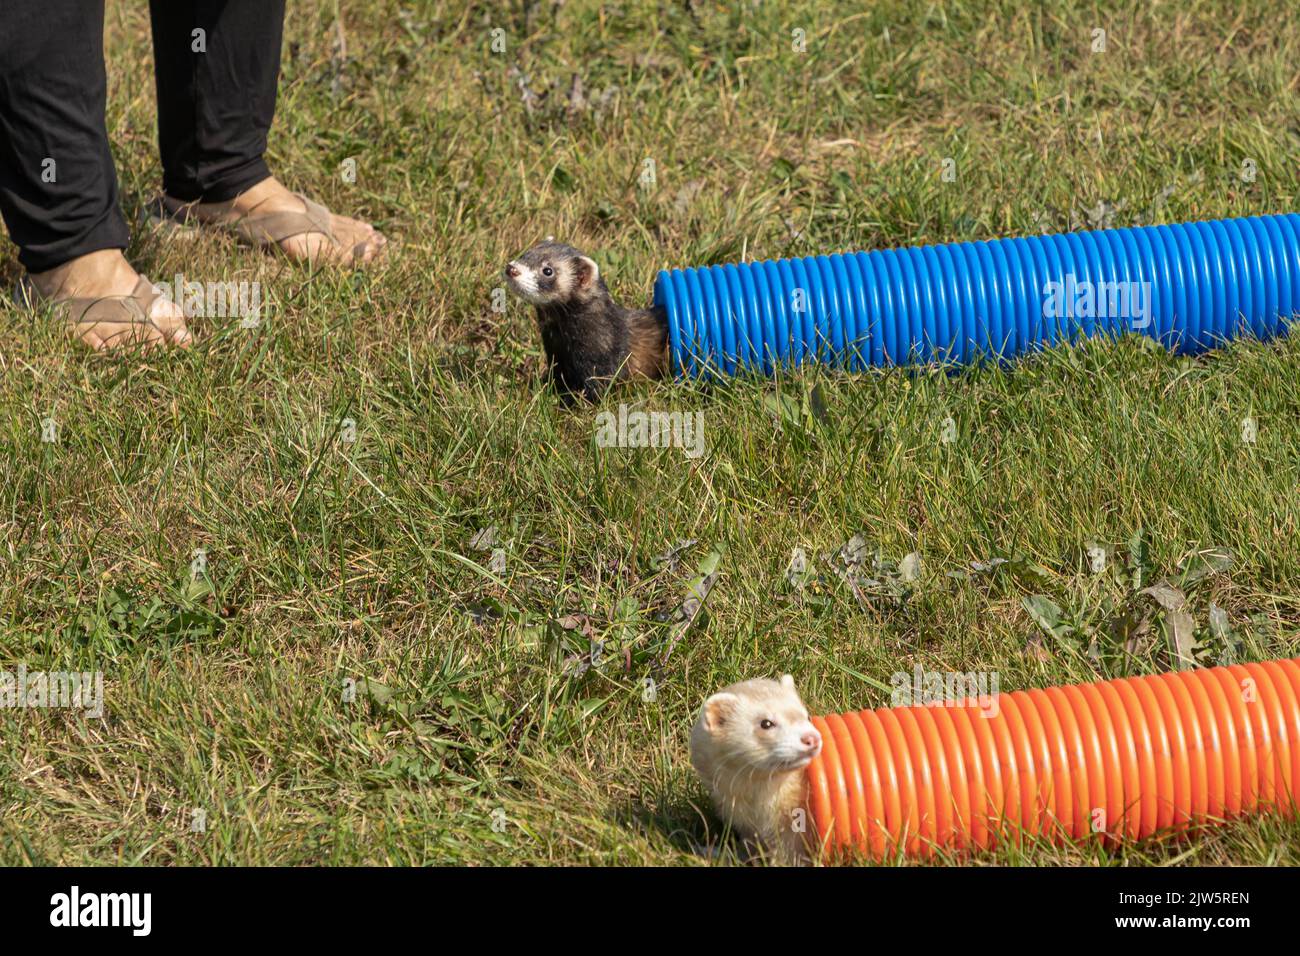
216 98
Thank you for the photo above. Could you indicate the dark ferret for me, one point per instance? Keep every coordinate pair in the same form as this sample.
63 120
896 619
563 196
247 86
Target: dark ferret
590 340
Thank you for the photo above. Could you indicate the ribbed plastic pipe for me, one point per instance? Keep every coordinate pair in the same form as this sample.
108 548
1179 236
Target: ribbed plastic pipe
1122 758
1191 286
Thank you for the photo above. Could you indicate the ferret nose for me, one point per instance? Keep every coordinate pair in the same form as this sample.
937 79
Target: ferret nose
512 271
812 740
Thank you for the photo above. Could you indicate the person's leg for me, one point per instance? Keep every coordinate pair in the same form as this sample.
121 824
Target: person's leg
58 187
216 68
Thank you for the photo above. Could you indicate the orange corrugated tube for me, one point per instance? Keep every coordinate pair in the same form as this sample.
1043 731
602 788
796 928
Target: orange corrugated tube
1123 758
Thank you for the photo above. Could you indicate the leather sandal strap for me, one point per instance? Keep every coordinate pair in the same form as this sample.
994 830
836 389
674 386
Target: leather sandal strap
130 309
275 227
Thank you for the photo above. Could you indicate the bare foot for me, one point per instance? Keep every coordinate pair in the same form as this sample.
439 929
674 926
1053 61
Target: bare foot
106 274
354 243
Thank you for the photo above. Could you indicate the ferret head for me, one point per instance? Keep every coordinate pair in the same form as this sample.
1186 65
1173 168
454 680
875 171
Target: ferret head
761 724
551 273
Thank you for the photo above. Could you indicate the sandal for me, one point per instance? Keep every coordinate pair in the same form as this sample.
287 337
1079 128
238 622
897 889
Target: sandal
110 316
261 230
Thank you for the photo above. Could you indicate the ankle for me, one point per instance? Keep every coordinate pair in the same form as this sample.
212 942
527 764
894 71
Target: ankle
225 210
258 193
90 274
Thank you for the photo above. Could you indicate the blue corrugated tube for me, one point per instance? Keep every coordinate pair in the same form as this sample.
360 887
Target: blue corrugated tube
1190 286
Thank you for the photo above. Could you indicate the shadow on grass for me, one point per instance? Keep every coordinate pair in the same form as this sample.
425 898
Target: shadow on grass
689 827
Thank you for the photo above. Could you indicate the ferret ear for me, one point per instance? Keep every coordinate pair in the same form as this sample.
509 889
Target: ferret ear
586 271
787 682
718 709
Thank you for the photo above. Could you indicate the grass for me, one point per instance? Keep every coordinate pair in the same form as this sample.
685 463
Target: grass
349 680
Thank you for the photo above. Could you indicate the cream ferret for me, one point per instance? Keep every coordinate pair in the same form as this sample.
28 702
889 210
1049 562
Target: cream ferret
751 744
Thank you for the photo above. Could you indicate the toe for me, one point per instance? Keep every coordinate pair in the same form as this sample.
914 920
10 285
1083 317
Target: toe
168 321
373 248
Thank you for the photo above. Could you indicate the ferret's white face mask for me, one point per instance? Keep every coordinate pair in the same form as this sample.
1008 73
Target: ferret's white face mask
524 282
790 737
542 280
770 725
792 741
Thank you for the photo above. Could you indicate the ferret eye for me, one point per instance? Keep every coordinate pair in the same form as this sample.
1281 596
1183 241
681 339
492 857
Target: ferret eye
767 724
548 271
